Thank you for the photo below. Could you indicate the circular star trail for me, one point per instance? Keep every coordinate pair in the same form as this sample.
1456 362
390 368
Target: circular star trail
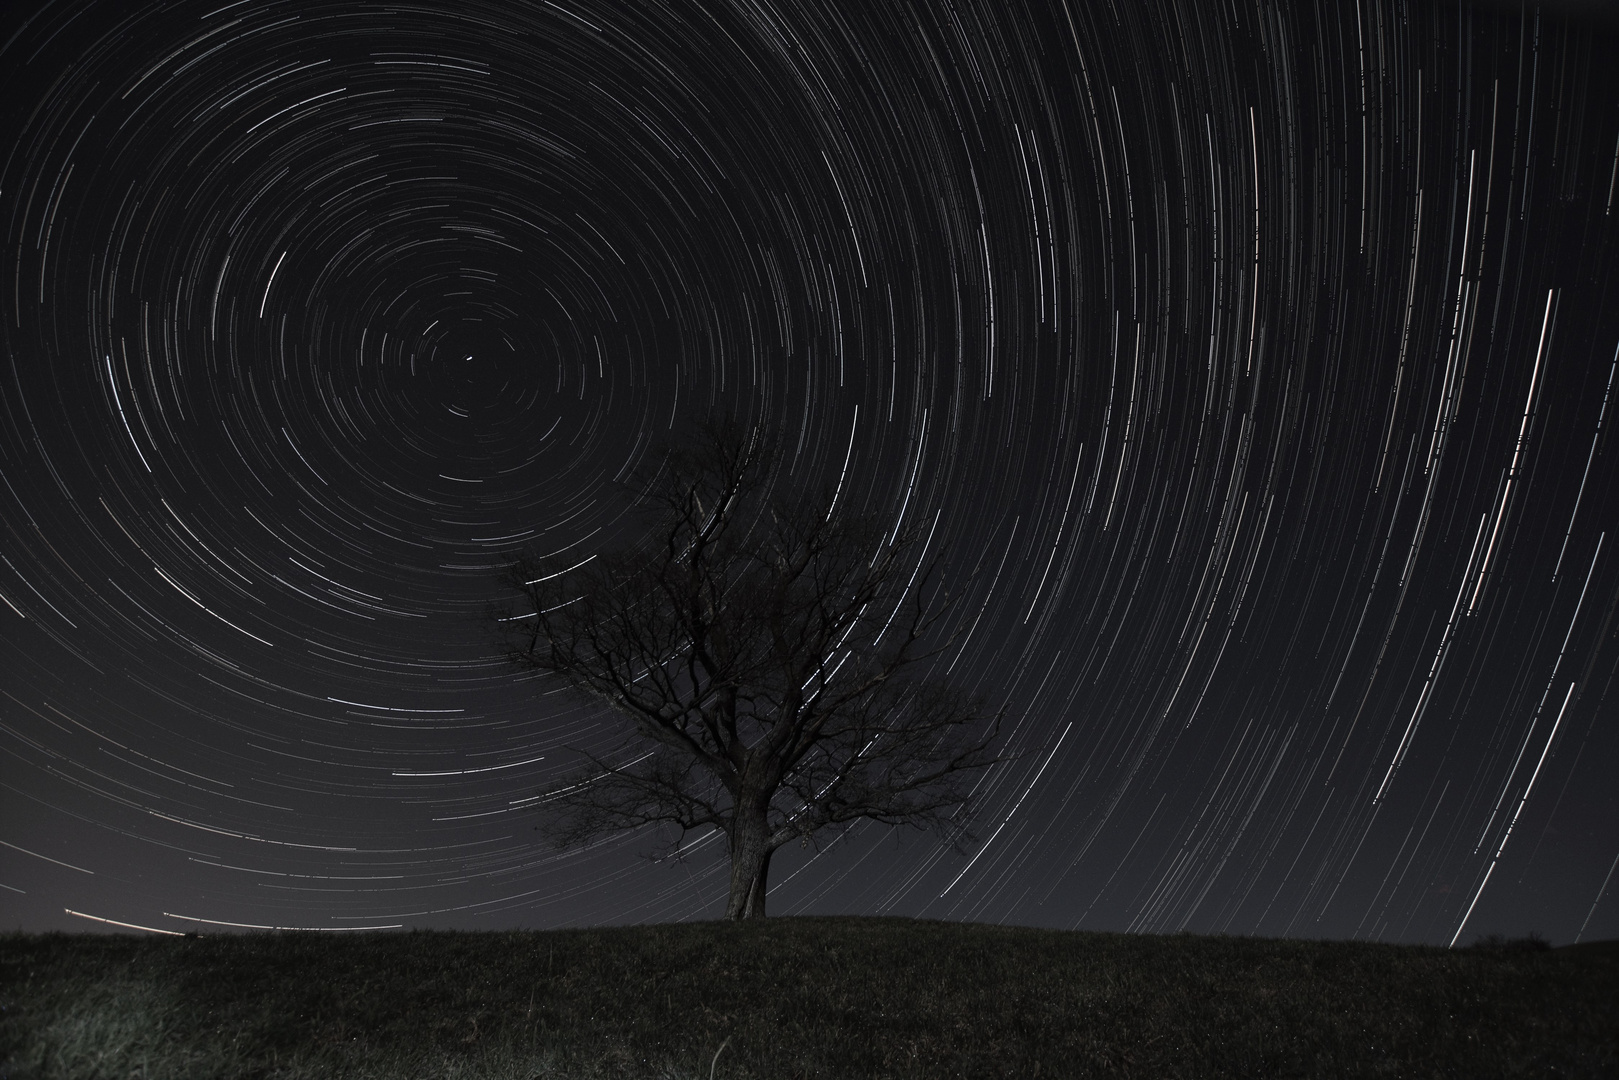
1254 365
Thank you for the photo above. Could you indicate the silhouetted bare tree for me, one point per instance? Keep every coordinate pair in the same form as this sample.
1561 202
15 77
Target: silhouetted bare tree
763 645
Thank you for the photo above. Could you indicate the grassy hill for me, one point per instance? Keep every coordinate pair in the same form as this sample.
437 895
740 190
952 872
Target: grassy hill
796 998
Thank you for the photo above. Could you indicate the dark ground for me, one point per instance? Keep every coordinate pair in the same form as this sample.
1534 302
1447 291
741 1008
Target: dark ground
799 997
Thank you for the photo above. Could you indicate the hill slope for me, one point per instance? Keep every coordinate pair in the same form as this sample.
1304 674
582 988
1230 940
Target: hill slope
796 997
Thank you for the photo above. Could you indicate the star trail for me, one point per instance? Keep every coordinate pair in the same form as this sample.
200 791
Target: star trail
1254 363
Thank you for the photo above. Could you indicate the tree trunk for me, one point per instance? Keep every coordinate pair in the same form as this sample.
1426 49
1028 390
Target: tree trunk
756 896
750 863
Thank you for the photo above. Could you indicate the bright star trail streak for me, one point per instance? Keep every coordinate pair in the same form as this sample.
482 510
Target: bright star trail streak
1250 364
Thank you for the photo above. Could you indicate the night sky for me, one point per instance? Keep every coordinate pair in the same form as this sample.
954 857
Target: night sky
1254 363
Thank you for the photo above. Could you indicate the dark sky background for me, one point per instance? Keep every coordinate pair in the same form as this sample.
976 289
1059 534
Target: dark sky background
1259 355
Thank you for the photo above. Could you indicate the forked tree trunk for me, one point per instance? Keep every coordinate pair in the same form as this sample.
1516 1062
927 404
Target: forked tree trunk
750 864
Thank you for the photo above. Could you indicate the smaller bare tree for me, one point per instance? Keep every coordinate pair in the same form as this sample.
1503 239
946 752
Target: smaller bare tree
764 646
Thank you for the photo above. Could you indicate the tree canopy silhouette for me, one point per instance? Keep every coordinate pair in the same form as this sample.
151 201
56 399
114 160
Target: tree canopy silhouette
765 643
